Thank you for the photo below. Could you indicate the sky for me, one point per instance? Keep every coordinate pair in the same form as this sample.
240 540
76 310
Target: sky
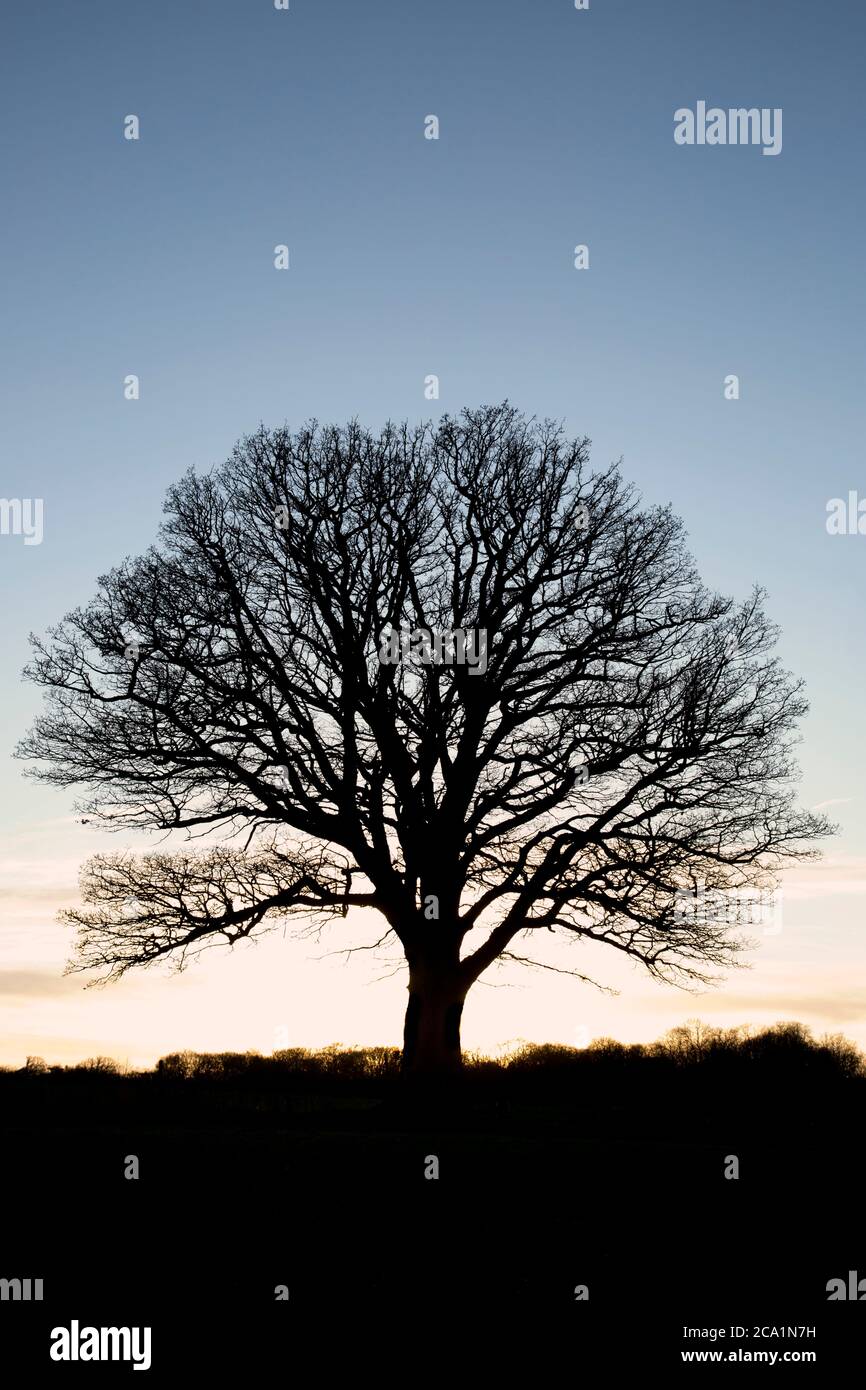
412 257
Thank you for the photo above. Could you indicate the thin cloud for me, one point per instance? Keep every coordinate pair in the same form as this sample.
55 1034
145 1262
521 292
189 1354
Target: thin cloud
840 1007
827 877
50 895
32 984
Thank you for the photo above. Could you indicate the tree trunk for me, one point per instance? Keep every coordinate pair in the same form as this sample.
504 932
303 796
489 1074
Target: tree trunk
431 1034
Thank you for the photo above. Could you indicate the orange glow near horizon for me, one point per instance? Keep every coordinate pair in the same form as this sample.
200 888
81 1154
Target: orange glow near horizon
281 990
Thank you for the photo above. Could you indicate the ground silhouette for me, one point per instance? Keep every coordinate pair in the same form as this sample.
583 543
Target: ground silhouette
695 1084
607 1167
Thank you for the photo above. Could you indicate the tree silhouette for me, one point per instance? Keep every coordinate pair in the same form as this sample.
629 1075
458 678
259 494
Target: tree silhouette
602 736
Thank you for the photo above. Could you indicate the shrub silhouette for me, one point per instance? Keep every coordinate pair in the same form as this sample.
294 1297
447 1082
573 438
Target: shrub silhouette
103 1066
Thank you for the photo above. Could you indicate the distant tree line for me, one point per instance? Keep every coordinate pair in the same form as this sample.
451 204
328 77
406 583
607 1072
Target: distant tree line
789 1047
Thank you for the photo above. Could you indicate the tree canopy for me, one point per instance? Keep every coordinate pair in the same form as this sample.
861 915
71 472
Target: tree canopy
602 735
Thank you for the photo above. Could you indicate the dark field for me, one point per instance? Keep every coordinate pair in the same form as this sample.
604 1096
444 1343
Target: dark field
560 1168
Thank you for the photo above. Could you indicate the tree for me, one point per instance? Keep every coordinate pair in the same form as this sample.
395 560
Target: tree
601 737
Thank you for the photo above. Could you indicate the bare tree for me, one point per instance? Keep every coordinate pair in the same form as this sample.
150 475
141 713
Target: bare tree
601 736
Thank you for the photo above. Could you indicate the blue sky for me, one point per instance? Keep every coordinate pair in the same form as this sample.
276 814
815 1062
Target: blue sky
411 257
